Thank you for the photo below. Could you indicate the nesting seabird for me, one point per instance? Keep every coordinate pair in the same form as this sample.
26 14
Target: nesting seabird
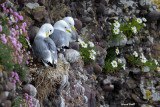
44 47
73 35
60 35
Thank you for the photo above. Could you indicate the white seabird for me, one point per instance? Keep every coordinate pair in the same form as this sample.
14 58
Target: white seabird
73 35
44 47
60 35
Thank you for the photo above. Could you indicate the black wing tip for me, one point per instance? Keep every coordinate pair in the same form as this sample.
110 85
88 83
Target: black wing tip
55 66
49 64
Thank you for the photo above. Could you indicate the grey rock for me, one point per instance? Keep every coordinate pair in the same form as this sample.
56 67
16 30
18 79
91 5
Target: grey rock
2 1
61 57
78 24
30 89
97 69
72 55
100 60
10 86
136 70
131 83
108 87
130 41
32 5
3 96
153 16
86 20
7 103
118 41
74 45
32 33
146 69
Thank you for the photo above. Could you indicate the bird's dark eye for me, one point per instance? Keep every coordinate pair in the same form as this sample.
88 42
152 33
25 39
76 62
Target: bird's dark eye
70 23
50 30
65 27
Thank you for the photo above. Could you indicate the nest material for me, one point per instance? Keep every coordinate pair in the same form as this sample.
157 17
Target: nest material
47 78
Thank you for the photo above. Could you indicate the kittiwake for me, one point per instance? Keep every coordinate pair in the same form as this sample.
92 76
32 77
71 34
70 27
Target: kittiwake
60 35
44 47
73 35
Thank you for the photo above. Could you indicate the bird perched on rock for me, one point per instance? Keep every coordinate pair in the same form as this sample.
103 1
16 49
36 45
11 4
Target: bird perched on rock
60 35
44 47
73 36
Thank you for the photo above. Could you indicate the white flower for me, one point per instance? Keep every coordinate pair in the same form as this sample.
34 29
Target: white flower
124 66
119 60
21 31
116 24
144 19
114 64
156 62
135 54
134 29
143 60
93 52
92 57
91 44
139 20
116 30
80 41
158 69
144 24
84 45
117 51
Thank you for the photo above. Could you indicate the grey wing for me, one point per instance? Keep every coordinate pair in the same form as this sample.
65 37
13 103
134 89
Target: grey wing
60 39
52 47
74 35
40 49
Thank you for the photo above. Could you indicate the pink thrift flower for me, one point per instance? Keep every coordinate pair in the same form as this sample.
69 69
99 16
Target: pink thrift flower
10 22
0 22
14 82
27 37
4 40
11 10
16 26
4 8
15 60
3 5
10 79
13 74
20 59
16 19
18 34
0 28
20 105
7 10
26 95
20 17
16 14
27 62
29 52
24 24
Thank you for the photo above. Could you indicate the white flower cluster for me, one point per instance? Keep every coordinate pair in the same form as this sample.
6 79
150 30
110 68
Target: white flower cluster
91 44
116 27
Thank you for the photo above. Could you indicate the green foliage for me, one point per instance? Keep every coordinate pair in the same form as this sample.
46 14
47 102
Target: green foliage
111 56
132 61
126 28
86 52
17 101
5 56
22 39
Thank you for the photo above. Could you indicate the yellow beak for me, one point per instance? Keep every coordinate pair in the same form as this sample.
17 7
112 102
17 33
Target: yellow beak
47 34
73 28
69 31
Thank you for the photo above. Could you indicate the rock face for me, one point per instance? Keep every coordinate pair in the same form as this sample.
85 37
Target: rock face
74 84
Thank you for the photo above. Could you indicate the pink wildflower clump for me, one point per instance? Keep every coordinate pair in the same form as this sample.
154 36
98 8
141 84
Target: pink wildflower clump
28 100
15 78
1 28
3 39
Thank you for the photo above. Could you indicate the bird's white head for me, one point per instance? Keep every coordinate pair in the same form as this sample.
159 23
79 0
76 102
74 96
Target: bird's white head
45 30
63 26
70 22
